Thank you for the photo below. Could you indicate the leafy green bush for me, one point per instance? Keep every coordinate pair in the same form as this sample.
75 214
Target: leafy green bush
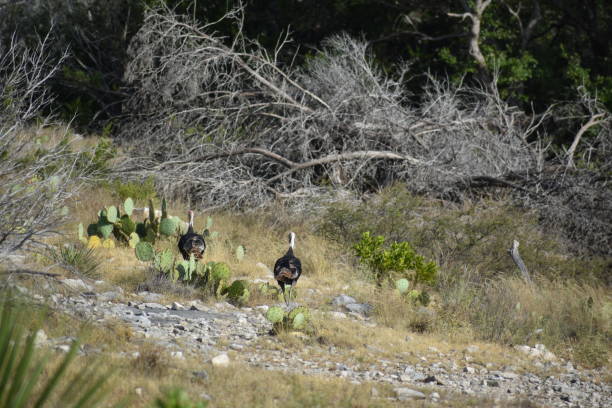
139 190
177 398
21 369
399 259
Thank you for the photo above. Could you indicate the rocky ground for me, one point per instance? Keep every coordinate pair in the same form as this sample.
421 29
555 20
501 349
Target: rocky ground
223 334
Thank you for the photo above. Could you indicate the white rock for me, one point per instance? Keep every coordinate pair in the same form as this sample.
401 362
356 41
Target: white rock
177 306
77 284
222 360
337 315
434 396
469 370
41 338
404 394
471 349
177 354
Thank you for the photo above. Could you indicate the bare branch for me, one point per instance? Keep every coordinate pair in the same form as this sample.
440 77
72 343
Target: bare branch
516 257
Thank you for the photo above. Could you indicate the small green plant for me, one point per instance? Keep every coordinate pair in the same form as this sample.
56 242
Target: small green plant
138 190
296 319
275 314
144 252
177 398
240 252
402 285
238 292
399 259
23 383
78 259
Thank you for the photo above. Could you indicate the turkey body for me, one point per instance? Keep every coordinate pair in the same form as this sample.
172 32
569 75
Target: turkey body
288 268
191 243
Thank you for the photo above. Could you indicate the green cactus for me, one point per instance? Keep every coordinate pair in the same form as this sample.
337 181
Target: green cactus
184 270
402 285
111 214
150 234
144 251
220 271
167 226
105 229
134 240
128 206
127 225
151 212
181 226
275 314
164 209
298 318
240 253
92 229
81 233
164 261
238 292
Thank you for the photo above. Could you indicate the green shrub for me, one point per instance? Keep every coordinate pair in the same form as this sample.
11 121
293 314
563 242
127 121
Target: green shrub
138 190
77 259
399 259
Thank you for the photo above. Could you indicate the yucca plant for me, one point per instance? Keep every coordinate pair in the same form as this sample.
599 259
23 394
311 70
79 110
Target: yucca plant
24 381
78 259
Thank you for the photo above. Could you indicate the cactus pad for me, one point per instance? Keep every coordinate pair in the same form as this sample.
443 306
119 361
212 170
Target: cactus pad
105 229
92 229
94 242
128 206
127 225
134 240
275 314
108 243
167 226
111 214
144 251
240 252
402 285
238 291
164 261
220 271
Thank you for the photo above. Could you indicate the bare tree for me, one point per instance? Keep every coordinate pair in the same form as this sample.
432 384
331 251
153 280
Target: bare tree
35 178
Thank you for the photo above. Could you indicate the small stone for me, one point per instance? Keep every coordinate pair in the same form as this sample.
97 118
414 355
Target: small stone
151 305
77 284
508 375
64 348
469 370
200 374
374 393
337 315
492 383
342 300
177 306
177 354
405 394
222 360
40 338
471 349
236 346
363 309
434 396
139 391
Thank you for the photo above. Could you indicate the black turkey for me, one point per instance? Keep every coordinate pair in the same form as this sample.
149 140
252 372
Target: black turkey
191 243
288 268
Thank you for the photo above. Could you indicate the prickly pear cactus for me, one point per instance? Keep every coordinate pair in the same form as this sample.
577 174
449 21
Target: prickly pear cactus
164 261
167 226
108 243
111 214
220 271
237 292
402 285
128 206
275 314
144 251
92 229
298 318
181 226
94 242
81 233
105 229
184 270
134 240
127 225
240 252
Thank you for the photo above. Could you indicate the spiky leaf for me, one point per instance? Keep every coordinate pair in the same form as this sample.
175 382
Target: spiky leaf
240 252
128 206
402 285
111 214
275 314
94 242
134 240
167 227
144 251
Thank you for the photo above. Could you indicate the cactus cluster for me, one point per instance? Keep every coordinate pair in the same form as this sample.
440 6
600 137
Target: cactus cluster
111 222
297 318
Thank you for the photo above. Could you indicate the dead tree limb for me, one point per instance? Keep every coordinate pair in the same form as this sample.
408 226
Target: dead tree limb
29 272
476 16
516 257
593 121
